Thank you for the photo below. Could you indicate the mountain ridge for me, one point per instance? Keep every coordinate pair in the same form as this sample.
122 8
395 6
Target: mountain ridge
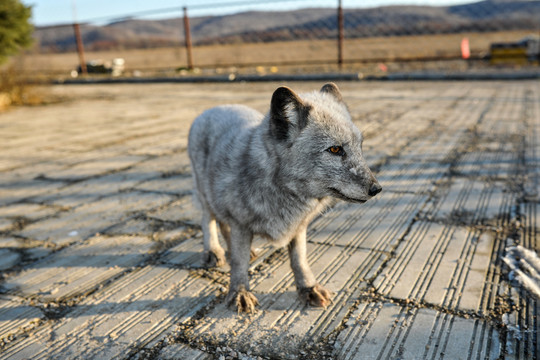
310 23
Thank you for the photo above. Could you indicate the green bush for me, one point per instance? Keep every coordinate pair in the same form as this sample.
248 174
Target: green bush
15 28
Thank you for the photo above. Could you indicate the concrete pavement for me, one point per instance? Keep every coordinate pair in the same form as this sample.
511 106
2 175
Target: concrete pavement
100 244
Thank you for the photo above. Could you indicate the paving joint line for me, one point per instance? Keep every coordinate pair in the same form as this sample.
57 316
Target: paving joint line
71 181
351 247
177 196
458 218
371 295
21 222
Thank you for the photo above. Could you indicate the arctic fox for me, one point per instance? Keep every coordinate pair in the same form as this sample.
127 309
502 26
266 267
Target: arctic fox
270 175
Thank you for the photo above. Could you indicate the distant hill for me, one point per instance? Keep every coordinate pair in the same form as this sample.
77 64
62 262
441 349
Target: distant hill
320 23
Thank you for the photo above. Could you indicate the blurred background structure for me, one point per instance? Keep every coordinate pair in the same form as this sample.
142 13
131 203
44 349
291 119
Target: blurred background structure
291 36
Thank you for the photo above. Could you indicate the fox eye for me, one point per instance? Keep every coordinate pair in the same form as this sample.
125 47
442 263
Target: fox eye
336 150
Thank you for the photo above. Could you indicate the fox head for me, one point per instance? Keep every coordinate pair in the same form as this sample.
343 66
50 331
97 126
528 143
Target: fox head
318 146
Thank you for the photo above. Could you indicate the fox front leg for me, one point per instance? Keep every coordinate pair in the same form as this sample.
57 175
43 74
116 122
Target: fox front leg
309 290
239 294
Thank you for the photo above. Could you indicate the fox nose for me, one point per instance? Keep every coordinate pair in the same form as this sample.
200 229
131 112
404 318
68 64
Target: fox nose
374 189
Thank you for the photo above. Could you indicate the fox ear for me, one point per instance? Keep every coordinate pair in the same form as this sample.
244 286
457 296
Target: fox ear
288 113
333 90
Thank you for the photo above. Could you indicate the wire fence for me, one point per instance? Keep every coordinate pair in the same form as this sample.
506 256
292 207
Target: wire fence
294 36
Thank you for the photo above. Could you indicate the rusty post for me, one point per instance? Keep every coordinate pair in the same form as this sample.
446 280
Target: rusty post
80 48
187 35
340 35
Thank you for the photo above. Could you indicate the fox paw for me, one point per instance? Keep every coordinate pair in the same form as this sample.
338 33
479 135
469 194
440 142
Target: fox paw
244 300
214 258
316 296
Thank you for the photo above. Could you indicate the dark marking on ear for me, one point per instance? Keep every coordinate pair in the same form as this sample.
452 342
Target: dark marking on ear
280 123
303 115
333 90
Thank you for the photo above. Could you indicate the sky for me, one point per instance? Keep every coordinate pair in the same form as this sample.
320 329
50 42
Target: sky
53 12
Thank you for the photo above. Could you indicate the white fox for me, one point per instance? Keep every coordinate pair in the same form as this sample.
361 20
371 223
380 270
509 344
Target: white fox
271 175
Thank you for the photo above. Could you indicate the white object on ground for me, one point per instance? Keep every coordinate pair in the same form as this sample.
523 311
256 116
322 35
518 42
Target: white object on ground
524 267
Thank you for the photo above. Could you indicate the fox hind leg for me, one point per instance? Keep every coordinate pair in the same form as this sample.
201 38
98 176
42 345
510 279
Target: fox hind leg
214 255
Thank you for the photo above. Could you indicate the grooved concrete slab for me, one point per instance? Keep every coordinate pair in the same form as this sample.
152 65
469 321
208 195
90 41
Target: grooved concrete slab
450 267
96 167
183 210
73 195
135 311
100 244
93 217
389 331
378 226
469 201
80 269
411 176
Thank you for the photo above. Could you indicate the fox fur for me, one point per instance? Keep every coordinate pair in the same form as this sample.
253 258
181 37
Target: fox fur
270 175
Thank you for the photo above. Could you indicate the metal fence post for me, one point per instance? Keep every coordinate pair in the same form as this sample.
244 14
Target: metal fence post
80 47
340 34
187 35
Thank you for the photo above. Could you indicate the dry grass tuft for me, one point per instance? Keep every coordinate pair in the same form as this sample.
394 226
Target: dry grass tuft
15 89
